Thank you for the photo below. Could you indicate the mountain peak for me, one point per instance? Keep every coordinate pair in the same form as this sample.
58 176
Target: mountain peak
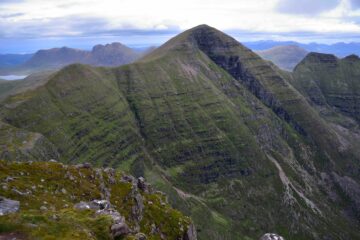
201 37
110 46
320 57
352 57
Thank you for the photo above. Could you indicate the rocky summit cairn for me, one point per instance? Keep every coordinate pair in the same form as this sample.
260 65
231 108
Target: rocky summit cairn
8 206
271 236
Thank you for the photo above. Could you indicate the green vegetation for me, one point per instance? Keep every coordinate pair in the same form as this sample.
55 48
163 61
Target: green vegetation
47 193
221 131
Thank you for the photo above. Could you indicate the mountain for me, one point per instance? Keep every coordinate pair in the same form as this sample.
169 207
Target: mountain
285 57
203 118
113 54
329 81
49 200
339 49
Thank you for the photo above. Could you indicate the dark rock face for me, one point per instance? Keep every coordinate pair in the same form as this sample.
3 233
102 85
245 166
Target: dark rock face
8 206
237 60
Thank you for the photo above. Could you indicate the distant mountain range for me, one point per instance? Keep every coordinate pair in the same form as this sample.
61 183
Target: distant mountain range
339 49
114 54
285 57
285 54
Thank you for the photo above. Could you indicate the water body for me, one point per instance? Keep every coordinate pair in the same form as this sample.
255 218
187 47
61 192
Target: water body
13 77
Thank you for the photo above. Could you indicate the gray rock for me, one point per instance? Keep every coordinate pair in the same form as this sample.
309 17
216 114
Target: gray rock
128 178
82 206
140 236
143 185
83 165
271 236
111 175
43 208
102 204
119 230
9 179
93 205
21 193
138 208
190 233
115 215
8 206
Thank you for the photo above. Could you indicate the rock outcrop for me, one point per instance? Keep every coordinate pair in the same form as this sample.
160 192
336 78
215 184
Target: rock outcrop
61 193
271 236
8 206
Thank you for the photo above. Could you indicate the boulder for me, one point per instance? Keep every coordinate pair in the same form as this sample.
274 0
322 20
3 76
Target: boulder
128 179
143 185
83 165
119 230
271 236
94 205
86 205
140 236
190 234
8 206
43 208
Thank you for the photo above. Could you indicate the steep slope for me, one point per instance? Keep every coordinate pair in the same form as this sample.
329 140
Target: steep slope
327 80
285 57
114 54
222 131
49 200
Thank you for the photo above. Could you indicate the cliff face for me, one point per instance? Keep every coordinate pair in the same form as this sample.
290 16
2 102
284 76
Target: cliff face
222 131
43 200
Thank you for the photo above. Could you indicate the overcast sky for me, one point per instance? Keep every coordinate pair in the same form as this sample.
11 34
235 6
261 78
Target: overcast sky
26 25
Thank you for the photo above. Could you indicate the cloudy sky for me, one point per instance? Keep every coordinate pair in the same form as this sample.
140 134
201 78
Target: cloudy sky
26 25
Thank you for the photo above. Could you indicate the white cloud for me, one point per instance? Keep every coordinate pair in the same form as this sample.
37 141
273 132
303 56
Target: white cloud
41 18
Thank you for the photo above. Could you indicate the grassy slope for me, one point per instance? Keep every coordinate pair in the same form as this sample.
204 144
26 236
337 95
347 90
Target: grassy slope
186 122
49 185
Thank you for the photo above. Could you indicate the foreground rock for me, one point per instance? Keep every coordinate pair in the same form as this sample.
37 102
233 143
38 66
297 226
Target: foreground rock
8 206
97 204
271 236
